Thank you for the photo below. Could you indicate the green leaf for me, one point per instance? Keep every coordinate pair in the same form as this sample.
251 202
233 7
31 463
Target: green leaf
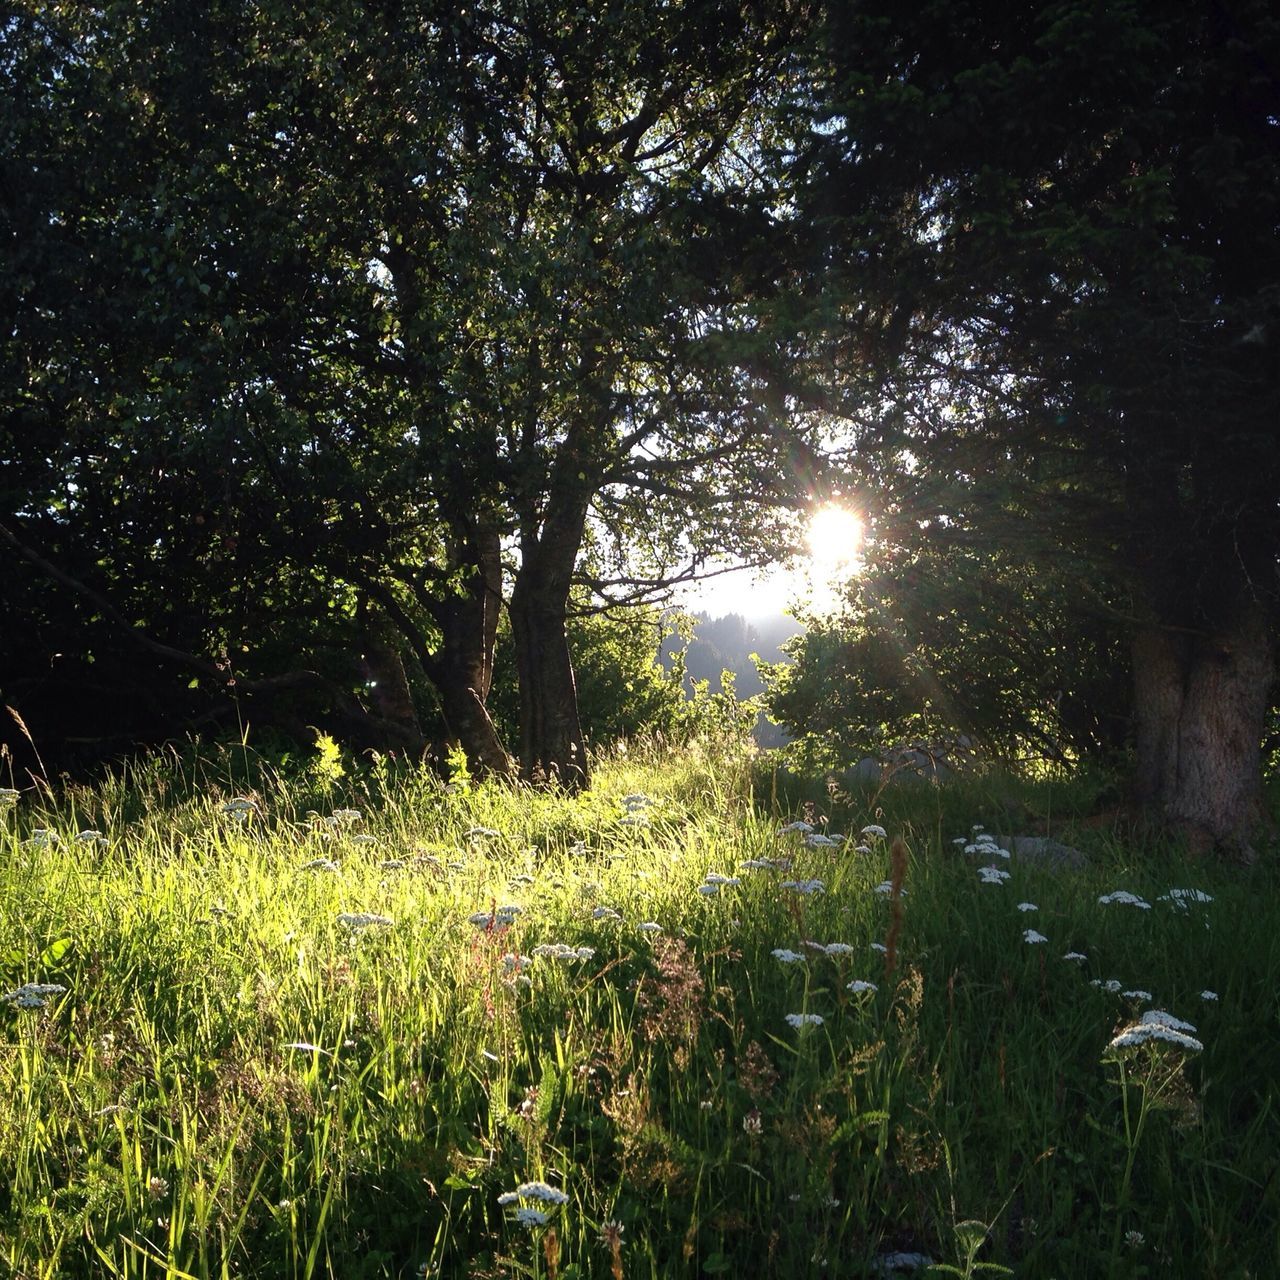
55 951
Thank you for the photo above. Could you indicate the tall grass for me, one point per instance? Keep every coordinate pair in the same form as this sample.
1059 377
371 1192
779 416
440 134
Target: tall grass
237 1083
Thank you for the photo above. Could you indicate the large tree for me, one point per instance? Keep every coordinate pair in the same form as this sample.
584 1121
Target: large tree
1049 231
373 294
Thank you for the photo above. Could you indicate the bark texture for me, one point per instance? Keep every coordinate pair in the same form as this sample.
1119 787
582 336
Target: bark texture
1200 703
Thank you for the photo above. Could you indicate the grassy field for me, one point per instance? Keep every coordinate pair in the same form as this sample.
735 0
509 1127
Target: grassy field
280 1029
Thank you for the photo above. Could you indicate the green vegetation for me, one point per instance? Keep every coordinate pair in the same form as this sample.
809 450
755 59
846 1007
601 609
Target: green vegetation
297 1040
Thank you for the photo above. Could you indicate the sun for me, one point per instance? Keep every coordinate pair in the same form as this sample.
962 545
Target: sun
835 541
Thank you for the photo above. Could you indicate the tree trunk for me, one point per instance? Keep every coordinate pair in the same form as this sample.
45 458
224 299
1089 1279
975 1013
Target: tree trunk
383 668
552 748
461 669
1200 702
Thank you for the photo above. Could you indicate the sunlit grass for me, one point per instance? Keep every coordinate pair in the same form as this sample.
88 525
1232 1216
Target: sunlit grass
252 1073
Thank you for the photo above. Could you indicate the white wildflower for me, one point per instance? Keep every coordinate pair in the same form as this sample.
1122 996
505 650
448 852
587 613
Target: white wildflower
801 1020
708 890
319 864
1182 898
802 827
1159 1018
605 913
805 886
1210 996
480 833
1111 986
1027 906
858 987
818 841
649 926
714 877
786 956
1033 937
874 832
33 995
391 864
756 864
838 949
1143 1033
1124 898
527 1216
1078 956
993 875
362 919
541 1191
1137 994
305 1046
879 946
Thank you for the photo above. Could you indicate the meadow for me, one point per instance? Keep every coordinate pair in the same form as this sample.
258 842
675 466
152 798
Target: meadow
360 1023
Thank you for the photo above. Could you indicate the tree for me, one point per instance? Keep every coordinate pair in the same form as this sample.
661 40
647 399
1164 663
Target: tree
1051 234
394 291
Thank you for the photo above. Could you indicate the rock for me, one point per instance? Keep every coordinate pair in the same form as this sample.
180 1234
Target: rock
1040 851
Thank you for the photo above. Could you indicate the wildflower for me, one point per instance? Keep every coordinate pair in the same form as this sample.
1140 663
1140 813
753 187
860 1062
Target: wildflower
90 836
33 995
993 875
802 1020
1078 956
1159 1018
1134 1239
786 956
714 877
1027 906
43 838
874 832
649 926
805 887
391 864
862 848
305 1046
1209 996
838 949
157 1188
1111 986
240 805
803 828
858 987
529 1217
364 839
885 888
634 820
8 796
817 841
1182 898
513 961
879 946
319 864
636 800
960 840
362 919
1033 937
753 1123
1143 1033
1124 898
541 1191
605 913
611 1233
1137 994
480 833
708 890
347 815
756 864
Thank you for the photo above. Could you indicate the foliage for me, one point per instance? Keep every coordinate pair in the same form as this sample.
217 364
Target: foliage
941 641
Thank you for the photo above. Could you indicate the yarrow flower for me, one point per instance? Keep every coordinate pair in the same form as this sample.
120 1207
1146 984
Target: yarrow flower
1027 906
649 926
1209 996
527 1216
605 913
319 864
1182 898
803 828
786 956
541 1191
805 886
802 1020
362 919
817 841
1138 1034
714 877
858 987
562 951
1033 937
1124 898
1159 1018
1078 956
1137 994
993 875
1111 986
33 995
874 832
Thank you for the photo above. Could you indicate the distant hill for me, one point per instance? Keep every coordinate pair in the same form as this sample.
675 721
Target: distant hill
726 644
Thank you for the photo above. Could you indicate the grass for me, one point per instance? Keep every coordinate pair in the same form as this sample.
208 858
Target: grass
236 1083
